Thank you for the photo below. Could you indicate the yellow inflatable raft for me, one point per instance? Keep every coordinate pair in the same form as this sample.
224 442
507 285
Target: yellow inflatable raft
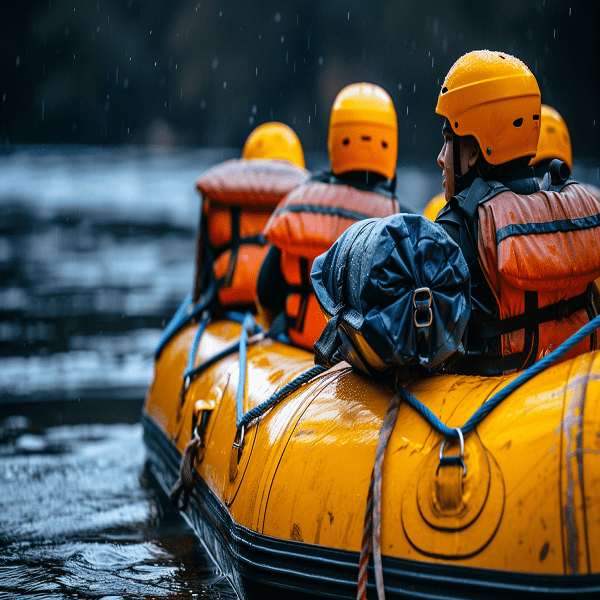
280 500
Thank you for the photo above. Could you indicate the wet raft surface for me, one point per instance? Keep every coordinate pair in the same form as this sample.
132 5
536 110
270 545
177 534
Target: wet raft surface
96 253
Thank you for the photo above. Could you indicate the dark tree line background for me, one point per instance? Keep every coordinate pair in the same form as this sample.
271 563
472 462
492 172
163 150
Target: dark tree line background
205 73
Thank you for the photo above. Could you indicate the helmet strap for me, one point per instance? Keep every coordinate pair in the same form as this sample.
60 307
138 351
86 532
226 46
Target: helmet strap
461 182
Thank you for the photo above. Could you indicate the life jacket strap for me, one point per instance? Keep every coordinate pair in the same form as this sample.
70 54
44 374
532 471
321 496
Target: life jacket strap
553 312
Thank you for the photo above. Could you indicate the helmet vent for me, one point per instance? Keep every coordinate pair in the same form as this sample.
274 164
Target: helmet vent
518 122
346 141
536 117
444 90
365 138
384 144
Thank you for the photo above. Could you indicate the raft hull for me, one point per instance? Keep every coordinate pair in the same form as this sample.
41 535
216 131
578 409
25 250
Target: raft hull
287 512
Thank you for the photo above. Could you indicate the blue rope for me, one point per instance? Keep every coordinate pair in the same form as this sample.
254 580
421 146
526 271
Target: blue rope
192 355
242 376
497 398
286 390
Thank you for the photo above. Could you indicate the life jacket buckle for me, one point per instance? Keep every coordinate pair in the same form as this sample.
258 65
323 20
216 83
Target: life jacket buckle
423 315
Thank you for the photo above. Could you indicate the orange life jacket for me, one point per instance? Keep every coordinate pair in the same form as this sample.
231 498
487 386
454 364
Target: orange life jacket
304 226
238 198
539 254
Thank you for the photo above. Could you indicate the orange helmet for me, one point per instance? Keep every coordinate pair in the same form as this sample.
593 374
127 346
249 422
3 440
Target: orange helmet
363 131
554 141
435 205
274 140
494 97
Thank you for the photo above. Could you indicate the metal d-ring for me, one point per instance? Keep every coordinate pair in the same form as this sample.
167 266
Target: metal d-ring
456 460
239 444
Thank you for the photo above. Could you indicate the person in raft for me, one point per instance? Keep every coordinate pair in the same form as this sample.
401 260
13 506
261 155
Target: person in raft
555 143
238 197
532 253
363 148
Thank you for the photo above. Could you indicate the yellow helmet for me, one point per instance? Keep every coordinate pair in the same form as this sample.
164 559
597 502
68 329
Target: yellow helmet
435 205
274 140
494 97
554 141
363 131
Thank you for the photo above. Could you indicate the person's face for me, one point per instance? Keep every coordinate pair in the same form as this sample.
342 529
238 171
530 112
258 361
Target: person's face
469 152
446 161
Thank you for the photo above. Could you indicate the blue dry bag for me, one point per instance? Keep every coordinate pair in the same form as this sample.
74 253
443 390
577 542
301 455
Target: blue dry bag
396 291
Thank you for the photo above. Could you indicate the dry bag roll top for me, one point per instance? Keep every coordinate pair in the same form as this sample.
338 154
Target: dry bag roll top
396 292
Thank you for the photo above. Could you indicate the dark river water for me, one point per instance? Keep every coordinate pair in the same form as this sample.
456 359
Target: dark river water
96 253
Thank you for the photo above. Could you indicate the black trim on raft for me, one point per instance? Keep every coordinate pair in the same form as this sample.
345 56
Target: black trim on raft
563 225
265 567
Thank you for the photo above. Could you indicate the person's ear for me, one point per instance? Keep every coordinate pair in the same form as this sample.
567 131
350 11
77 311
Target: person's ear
473 152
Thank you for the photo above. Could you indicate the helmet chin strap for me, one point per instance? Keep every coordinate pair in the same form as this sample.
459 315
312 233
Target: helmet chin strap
461 182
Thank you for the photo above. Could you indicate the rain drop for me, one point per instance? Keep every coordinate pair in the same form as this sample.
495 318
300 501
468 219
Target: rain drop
43 108
254 109
320 61
224 85
282 39
348 15
215 63
400 86
277 17
251 120
18 60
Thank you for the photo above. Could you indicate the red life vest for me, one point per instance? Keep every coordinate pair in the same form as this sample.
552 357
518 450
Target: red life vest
238 198
304 226
540 254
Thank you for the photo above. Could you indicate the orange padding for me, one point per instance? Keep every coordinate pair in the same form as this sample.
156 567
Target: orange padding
309 234
543 262
242 289
314 321
258 183
219 223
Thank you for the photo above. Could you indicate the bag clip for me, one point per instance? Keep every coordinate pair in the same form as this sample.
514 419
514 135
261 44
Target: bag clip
423 316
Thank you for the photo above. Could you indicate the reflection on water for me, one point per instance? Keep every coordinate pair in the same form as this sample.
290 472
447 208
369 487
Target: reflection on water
81 517
96 253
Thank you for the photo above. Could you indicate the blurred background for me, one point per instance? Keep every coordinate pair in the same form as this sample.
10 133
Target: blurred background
110 110
204 73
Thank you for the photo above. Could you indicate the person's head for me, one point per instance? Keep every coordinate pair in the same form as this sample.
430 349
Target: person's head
363 131
554 142
491 105
274 140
